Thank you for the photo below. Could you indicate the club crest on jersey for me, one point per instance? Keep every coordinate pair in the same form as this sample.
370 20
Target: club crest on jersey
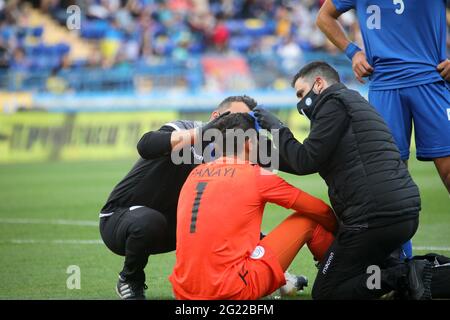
258 253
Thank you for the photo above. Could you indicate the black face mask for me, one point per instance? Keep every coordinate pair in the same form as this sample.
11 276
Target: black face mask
307 104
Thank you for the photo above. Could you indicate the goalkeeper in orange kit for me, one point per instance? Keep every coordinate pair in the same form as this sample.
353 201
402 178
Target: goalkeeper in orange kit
219 253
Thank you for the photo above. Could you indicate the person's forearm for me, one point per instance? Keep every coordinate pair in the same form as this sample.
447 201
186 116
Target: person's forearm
284 166
331 27
266 146
329 124
156 144
316 210
295 155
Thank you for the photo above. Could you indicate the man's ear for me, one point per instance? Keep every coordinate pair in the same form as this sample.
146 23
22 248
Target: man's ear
214 115
320 85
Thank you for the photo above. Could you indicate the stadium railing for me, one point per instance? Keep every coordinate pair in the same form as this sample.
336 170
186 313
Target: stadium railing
163 73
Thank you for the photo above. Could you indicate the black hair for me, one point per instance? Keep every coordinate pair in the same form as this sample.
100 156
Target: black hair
317 68
249 102
240 128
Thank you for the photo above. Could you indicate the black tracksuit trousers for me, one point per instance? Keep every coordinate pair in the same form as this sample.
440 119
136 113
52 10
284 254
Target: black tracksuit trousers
344 273
136 233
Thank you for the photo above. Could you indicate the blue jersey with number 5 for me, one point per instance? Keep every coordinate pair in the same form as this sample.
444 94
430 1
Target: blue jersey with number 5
404 40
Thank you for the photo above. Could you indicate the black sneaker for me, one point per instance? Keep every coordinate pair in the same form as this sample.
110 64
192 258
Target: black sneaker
128 290
419 280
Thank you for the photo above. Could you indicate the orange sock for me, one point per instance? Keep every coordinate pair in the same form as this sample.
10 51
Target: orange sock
289 236
319 243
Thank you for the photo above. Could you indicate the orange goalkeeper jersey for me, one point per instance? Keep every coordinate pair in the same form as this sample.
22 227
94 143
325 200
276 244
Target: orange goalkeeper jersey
220 211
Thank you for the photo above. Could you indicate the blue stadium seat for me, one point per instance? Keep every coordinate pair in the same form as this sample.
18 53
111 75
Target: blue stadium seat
241 43
234 26
257 28
61 48
305 45
215 8
196 48
95 29
37 31
78 63
6 32
37 50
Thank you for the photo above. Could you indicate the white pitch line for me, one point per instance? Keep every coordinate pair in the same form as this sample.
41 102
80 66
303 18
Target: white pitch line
89 223
98 241
92 223
60 241
431 248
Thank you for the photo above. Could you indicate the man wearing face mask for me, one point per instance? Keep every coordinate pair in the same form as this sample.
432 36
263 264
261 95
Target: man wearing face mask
370 189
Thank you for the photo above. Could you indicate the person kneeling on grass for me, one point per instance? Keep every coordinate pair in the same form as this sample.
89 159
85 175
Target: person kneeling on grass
219 254
139 218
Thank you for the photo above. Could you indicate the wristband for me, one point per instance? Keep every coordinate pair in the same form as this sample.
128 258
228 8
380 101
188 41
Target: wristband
351 50
257 126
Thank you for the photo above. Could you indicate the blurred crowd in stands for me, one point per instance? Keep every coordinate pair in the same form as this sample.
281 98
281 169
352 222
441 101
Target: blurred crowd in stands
148 31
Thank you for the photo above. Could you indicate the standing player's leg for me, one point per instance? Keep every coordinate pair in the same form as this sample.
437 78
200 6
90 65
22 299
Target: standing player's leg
396 113
135 233
443 168
397 116
430 106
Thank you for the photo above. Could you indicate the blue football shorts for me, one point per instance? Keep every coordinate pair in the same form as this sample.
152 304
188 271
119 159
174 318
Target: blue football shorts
427 107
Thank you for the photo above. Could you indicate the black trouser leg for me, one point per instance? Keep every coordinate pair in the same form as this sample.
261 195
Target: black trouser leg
344 271
136 234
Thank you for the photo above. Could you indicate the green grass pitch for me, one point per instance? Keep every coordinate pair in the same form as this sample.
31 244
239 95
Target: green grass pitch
34 255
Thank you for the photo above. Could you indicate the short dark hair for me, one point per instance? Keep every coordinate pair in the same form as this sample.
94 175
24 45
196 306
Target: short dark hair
249 102
234 122
317 68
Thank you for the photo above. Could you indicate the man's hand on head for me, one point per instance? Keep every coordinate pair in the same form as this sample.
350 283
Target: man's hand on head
267 120
218 123
183 138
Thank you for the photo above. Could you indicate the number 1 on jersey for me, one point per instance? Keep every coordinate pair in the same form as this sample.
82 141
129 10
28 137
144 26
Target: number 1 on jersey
198 197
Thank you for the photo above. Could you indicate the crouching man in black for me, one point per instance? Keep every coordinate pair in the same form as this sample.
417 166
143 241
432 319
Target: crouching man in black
139 217
369 187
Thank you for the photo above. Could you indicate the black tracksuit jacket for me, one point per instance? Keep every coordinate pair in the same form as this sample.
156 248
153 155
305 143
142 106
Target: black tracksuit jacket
353 150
